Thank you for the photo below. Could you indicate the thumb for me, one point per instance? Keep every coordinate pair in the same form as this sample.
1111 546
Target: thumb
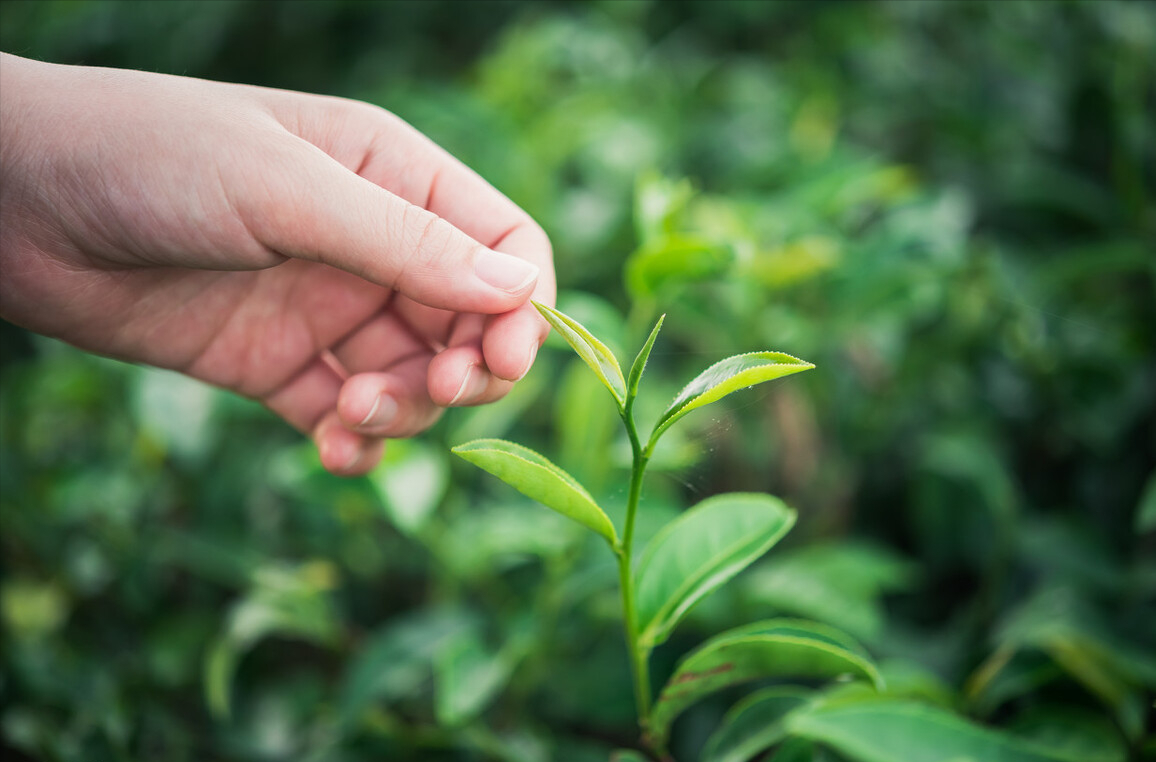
319 210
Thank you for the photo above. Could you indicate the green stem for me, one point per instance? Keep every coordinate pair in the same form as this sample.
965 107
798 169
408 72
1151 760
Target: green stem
639 662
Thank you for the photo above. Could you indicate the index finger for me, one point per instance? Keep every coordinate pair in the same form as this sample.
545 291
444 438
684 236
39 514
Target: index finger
389 152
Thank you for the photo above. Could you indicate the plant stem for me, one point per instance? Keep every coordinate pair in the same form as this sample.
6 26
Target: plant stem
639 663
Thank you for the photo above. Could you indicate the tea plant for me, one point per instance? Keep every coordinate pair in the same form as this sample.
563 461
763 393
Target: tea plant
693 555
697 553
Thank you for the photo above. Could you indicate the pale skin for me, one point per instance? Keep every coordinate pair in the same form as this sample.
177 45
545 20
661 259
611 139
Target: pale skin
316 254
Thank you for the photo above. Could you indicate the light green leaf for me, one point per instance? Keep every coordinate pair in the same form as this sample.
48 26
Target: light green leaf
640 361
755 724
676 258
592 351
698 552
904 731
585 427
778 648
725 377
537 478
467 676
410 482
659 204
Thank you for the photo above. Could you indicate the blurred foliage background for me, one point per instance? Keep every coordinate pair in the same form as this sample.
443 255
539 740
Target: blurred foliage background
948 207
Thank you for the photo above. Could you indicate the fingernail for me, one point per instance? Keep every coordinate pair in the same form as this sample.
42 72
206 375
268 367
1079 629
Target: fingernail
354 460
472 385
529 360
382 413
503 271
340 454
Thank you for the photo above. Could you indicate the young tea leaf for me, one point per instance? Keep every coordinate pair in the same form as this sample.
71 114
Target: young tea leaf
640 361
592 351
699 551
755 724
725 377
886 730
537 478
772 648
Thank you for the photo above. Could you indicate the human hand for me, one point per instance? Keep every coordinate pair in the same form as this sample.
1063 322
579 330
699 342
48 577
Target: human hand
314 253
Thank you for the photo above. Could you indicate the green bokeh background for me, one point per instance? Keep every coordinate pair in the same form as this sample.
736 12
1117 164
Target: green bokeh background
947 207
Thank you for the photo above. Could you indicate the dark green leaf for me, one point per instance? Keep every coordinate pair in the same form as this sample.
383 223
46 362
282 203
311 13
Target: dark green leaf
887 730
780 648
397 660
628 755
699 551
1146 513
287 602
840 584
755 724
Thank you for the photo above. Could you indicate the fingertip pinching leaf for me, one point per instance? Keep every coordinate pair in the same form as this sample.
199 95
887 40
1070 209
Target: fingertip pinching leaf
725 377
640 361
536 477
595 354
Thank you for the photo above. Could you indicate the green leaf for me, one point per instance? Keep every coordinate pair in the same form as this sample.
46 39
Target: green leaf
585 427
798 750
468 676
1146 513
1059 622
779 648
628 755
659 204
904 731
1070 730
755 724
676 258
725 377
698 552
397 659
592 351
537 478
410 482
840 584
640 361
287 602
